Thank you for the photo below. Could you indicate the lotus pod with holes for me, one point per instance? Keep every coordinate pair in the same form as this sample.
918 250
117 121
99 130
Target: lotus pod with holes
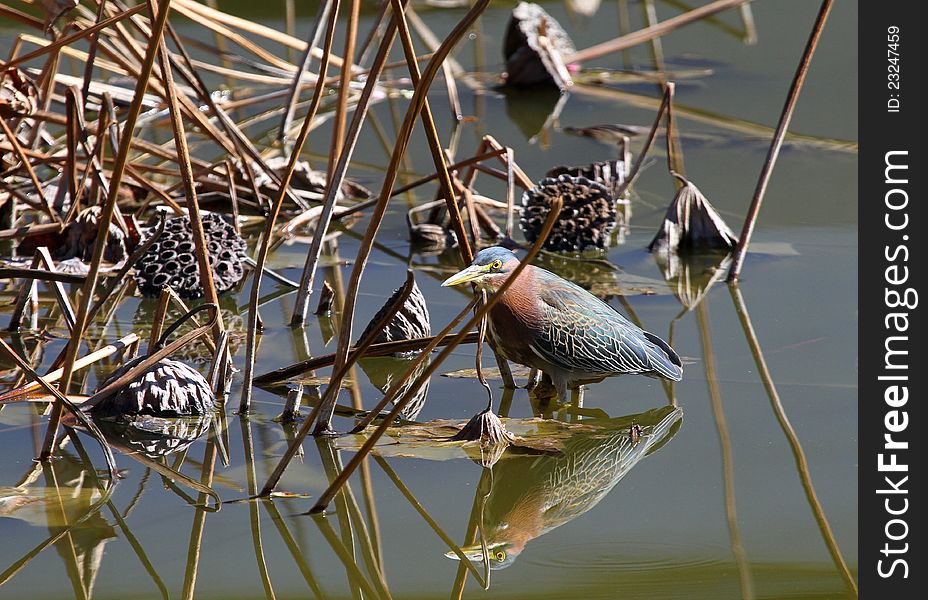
587 217
170 388
172 259
610 173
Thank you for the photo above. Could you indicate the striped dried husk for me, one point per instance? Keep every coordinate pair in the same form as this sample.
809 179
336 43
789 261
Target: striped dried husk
691 224
410 322
170 388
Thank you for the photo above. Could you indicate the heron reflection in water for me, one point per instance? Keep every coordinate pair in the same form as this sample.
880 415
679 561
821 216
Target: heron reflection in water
530 496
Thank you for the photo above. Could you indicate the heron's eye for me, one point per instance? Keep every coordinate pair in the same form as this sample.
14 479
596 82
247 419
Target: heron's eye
501 556
496 264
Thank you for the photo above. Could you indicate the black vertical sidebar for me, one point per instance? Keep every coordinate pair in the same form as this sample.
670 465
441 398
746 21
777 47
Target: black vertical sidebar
892 184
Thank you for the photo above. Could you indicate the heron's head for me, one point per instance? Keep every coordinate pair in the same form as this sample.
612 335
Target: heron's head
490 268
501 554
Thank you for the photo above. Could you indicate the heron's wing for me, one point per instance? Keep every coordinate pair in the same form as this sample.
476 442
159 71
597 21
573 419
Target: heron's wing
582 333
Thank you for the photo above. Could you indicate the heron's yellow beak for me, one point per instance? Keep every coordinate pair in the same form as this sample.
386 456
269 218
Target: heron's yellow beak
471 273
473 553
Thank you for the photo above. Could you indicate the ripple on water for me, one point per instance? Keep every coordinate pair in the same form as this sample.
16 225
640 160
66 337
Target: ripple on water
625 556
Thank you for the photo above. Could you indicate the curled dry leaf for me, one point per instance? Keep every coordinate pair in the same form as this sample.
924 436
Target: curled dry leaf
411 322
429 237
170 388
691 224
19 97
533 48
79 237
484 427
55 9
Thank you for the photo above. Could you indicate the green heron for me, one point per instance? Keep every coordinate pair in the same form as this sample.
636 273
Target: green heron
550 324
531 495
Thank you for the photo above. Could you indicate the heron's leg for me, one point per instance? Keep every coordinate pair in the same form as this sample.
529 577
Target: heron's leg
543 398
505 371
560 383
533 378
576 396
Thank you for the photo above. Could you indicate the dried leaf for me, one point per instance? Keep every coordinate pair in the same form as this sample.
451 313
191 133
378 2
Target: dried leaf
488 372
534 436
168 389
534 46
691 224
19 97
411 322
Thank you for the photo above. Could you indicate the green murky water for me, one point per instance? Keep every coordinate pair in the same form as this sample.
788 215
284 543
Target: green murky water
710 500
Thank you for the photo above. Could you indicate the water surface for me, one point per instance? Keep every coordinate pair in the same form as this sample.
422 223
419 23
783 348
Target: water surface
714 506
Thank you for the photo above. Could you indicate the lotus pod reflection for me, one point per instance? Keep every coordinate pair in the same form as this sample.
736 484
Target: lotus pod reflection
154 437
385 372
531 495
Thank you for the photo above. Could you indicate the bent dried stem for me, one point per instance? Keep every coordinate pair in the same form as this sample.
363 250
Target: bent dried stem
427 372
777 142
261 258
399 151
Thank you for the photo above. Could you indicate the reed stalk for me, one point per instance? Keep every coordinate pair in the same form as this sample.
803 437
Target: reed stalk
479 314
261 258
776 143
106 217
